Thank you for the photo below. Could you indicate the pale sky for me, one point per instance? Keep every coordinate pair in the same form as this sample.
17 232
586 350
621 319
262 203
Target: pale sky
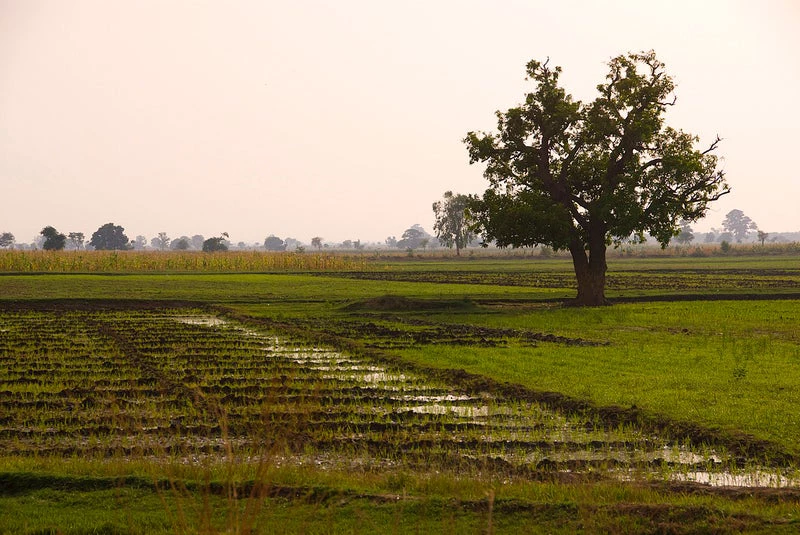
344 119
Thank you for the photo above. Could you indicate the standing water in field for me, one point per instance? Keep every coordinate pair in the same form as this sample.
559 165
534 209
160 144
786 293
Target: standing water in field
185 386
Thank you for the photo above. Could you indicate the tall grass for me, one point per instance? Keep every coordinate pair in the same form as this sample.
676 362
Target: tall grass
149 262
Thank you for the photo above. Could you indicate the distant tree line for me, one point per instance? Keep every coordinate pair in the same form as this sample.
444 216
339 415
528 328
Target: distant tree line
112 237
736 227
453 228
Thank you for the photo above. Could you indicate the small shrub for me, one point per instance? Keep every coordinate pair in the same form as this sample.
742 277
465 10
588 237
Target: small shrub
725 247
739 372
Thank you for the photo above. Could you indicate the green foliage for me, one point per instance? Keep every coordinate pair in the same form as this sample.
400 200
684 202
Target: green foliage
110 237
76 239
6 239
53 239
413 237
181 244
215 245
580 176
452 226
360 502
274 243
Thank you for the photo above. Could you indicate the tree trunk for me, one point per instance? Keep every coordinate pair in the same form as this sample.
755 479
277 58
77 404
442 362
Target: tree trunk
590 271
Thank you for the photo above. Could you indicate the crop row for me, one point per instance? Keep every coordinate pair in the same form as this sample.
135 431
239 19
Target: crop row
137 261
177 383
616 280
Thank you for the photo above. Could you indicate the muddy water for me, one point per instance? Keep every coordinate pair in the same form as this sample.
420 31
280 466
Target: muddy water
187 386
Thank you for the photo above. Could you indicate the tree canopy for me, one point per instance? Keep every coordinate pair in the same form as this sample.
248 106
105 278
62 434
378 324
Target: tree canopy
738 224
110 237
216 244
414 237
76 239
274 243
6 239
181 244
53 239
581 176
451 226
161 241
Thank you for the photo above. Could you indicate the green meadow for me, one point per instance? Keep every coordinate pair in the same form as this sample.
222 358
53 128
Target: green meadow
421 394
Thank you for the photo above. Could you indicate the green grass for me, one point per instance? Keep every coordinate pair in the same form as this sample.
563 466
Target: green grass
227 288
728 365
302 501
733 365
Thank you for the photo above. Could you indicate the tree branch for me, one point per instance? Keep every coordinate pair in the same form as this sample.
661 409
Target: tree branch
651 163
674 100
713 146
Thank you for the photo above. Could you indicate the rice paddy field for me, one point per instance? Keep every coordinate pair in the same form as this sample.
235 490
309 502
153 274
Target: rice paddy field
365 394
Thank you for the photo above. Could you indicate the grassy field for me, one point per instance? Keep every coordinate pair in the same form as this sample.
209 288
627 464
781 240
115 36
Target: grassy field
121 411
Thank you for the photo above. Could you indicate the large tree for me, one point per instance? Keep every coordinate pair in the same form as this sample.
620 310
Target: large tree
216 244
6 239
581 176
110 237
139 243
76 239
738 224
451 226
161 241
53 239
685 233
181 244
414 237
274 243
197 241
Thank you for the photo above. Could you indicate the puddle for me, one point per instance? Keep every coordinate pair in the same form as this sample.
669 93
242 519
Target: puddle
436 399
206 321
460 411
756 478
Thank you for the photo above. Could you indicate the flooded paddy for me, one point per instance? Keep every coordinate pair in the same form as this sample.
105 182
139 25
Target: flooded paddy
189 387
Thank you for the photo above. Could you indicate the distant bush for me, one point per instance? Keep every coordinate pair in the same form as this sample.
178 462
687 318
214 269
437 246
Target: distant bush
725 247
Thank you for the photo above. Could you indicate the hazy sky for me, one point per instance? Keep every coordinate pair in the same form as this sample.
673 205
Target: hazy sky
344 119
